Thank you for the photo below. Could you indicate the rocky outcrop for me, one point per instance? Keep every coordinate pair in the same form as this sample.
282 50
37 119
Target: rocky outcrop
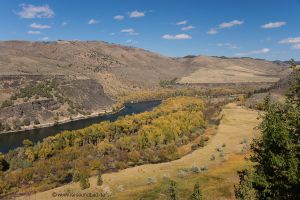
86 93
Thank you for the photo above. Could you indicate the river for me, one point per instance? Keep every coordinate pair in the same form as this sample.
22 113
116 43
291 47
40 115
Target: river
10 141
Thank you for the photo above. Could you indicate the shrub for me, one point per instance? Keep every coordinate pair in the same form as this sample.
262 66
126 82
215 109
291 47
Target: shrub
197 193
219 149
212 157
84 182
204 168
7 103
26 122
99 180
182 173
244 141
36 122
195 169
151 180
172 192
120 188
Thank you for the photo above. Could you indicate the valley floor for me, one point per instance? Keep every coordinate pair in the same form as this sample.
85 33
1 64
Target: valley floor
234 133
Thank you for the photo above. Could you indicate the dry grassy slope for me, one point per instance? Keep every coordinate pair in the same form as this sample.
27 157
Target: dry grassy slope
126 66
237 124
233 70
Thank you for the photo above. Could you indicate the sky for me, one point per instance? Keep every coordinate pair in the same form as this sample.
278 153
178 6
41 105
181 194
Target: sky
267 29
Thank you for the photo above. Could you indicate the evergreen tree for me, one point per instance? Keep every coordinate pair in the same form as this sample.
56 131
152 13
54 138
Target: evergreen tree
244 191
84 182
276 153
197 193
172 191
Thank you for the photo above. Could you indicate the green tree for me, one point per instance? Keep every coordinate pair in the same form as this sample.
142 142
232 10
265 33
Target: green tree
84 182
276 153
244 191
197 193
172 191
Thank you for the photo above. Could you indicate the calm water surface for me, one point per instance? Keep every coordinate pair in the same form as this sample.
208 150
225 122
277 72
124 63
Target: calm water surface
10 141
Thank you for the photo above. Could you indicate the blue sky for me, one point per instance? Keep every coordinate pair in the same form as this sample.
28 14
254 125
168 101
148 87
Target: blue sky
266 29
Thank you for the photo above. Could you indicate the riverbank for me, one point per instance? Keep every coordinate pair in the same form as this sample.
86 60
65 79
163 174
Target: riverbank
65 120
15 139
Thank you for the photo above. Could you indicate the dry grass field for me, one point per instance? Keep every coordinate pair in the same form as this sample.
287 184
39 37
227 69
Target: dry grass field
235 131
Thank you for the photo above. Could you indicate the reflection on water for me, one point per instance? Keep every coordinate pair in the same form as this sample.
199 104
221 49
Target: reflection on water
12 140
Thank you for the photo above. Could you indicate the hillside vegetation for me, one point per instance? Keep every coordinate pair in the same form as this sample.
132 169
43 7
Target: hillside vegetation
229 143
148 137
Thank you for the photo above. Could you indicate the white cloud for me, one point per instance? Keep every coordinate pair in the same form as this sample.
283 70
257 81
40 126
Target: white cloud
186 28
228 45
223 25
260 51
136 14
212 31
290 40
34 32
39 26
30 11
64 23
131 41
177 37
273 25
230 24
182 22
296 46
130 31
45 38
119 17
93 21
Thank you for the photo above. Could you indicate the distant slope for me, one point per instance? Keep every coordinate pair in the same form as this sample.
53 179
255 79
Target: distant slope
232 70
122 69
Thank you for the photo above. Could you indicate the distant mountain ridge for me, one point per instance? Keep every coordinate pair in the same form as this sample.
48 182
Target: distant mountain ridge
121 69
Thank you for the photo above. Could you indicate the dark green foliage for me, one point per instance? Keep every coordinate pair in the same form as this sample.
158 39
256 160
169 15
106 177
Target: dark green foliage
32 90
7 103
3 163
197 193
167 83
244 191
84 182
172 192
276 153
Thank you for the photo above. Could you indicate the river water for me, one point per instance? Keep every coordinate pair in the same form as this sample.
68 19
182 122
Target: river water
10 141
